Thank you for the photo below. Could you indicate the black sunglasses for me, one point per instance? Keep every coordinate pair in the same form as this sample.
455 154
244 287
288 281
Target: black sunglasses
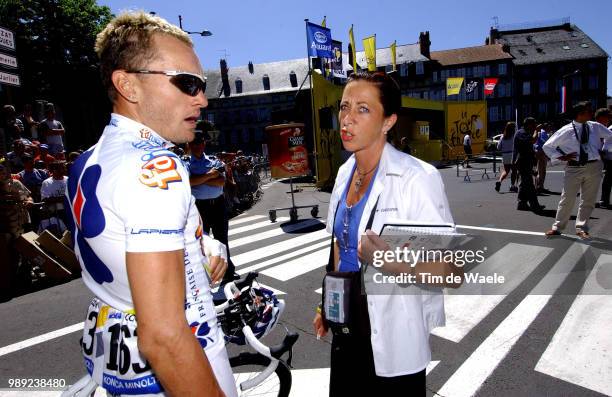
189 83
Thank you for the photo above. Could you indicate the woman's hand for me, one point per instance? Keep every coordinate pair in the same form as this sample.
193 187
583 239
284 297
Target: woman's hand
368 244
319 325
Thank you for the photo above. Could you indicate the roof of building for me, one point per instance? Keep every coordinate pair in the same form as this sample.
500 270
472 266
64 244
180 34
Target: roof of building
550 44
405 53
252 83
459 56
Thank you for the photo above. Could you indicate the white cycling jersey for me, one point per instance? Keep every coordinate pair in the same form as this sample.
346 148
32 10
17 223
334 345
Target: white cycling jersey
129 193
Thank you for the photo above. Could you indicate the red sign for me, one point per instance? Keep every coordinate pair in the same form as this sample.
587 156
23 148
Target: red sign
489 85
287 150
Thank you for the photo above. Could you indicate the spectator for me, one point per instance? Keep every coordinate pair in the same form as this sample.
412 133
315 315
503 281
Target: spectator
15 158
53 131
523 159
506 146
14 201
602 116
467 148
207 178
52 193
44 155
30 125
541 159
31 177
578 143
13 127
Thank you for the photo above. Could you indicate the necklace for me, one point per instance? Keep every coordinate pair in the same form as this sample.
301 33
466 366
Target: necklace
360 176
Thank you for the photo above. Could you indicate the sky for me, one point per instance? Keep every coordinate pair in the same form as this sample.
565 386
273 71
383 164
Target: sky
273 30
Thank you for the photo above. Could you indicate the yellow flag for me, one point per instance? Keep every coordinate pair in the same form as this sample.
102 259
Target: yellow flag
393 55
453 85
353 54
324 23
369 46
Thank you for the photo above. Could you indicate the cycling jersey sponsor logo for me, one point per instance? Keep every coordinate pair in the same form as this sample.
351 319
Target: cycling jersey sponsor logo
87 218
156 231
159 172
202 332
145 134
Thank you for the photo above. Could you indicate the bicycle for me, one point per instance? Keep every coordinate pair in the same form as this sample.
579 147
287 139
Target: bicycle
245 313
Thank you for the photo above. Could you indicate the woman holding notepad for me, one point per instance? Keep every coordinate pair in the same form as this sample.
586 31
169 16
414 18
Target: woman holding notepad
380 341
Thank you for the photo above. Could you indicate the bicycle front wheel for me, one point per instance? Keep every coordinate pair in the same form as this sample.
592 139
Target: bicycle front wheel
248 365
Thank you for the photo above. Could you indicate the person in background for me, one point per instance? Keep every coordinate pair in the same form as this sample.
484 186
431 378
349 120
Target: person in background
207 178
467 148
603 117
53 190
13 126
523 159
31 177
15 199
15 157
53 131
30 125
541 159
578 143
43 154
506 146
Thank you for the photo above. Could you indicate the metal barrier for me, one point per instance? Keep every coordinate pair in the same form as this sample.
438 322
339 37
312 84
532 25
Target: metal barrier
479 159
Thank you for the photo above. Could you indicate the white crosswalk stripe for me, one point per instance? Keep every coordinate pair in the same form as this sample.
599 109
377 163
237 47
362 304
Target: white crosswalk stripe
272 233
277 248
299 266
583 338
464 312
254 226
244 219
482 362
281 258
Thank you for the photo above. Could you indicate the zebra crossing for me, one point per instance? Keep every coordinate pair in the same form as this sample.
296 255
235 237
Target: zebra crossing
535 269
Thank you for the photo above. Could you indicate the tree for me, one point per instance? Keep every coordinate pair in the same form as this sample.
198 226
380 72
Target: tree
57 63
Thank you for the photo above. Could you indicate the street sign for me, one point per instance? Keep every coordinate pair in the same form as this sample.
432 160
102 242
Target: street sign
9 78
7 39
8 60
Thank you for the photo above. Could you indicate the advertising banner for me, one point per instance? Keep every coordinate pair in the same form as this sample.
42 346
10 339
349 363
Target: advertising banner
336 61
319 41
453 85
489 85
369 46
462 118
287 150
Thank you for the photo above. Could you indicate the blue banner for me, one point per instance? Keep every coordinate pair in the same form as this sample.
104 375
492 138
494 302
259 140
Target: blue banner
319 41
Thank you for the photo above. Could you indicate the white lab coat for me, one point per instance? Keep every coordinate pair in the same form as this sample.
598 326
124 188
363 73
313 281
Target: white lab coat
409 190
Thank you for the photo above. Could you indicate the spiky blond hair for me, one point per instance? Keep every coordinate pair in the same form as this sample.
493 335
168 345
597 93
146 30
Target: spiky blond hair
125 43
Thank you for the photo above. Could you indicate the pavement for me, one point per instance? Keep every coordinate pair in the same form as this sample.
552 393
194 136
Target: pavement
546 334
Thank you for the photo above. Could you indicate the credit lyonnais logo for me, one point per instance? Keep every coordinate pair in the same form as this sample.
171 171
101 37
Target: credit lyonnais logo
159 172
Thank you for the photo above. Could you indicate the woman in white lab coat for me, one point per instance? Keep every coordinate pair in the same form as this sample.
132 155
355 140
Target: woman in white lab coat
387 349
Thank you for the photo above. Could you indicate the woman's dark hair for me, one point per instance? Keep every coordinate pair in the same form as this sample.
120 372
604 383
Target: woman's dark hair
509 129
390 95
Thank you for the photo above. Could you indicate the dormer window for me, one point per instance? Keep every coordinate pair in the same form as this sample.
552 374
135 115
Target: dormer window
293 79
266 82
238 86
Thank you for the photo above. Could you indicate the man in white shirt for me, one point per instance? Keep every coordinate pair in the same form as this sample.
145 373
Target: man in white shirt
602 116
467 148
137 231
53 190
578 143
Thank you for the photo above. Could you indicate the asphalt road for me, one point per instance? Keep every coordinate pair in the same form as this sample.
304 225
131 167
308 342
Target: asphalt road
543 336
